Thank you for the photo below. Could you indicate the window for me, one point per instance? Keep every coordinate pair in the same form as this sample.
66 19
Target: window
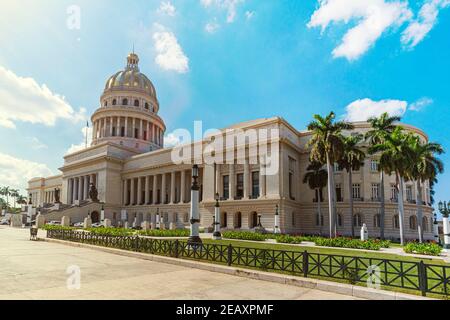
413 223
238 220
394 192
377 220
357 220
226 187
255 184
106 103
145 135
114 131
374 165
375 191
253 220
146 105
337 168
396 222
292 166
122 132
425 224
339 220
125 102
339 197
136 133
136 103
409 193
114 102
356 191
240 186
319 223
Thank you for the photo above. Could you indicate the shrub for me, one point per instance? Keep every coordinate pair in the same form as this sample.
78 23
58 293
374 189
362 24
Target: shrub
244 235
429 249
57 227
289 239
115 232
165 233
349 243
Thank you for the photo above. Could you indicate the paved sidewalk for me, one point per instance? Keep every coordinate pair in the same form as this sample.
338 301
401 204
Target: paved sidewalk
37 270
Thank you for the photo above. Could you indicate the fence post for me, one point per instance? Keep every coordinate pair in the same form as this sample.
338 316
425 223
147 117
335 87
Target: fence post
422 278
230 255
305 263
177 243
136 244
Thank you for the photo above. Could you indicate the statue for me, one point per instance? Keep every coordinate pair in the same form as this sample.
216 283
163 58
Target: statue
57 198
93 193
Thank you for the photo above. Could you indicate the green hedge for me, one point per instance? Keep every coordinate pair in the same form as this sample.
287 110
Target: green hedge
116 232
56 227
165 233
289 239
429 249
244 235
375 245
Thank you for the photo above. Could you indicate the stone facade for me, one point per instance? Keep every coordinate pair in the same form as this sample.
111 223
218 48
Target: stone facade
136 177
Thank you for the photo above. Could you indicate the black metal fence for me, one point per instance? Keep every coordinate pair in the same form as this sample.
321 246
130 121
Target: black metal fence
415 276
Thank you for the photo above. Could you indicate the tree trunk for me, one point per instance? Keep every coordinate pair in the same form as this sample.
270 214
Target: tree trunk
330 196
319 199
350 187
401 209
419 211
383 206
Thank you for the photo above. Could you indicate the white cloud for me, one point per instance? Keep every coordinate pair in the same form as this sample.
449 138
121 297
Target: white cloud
420 104
372 17
36 144
167 8
16 172
229 5
171 140
212 27
361 110
82 145
24 100
170 55
427 18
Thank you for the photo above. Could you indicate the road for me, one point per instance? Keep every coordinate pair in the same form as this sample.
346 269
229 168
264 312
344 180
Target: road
37 270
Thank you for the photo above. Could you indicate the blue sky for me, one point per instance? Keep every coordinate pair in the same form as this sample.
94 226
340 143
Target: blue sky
219 61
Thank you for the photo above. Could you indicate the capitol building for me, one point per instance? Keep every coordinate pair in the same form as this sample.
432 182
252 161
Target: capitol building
137 178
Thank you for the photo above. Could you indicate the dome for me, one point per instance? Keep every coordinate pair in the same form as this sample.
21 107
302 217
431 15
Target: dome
131 78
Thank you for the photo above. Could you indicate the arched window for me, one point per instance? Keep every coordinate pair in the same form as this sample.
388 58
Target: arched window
396 222
413 223
125 102
357 220
105 103
223 220
253 220
425 224
339 220
136 103
114 102
146 105
377 220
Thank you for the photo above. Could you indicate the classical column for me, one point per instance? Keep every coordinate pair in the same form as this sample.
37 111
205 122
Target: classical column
163 188
118 127
104 127
69 191
80 189
232 182
141 131
126 126
125 192
183 187
262 181
133 130
147 189
246 179
111 126
155 189
132 203
139 190
86 187
147 137
172 187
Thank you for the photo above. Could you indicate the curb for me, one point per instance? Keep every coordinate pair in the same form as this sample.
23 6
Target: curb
322 285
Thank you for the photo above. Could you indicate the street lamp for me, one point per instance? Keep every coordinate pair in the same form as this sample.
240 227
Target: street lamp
436 229
158 220
102 214
194 239
217 235
276 229
445 211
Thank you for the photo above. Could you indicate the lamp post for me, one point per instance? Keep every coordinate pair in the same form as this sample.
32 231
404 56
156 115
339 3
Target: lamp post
158 220
436 229
194 239
217 235
445 211
276 229
102 214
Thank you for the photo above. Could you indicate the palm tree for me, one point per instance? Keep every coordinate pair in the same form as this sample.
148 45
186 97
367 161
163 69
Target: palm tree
352 160
6 191
425 166
381 128
396 156
327 146
21 199
316 177
14 193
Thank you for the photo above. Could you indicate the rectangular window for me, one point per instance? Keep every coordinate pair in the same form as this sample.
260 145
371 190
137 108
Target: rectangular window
240 185
292 167
356 191
409 193
226 187
394 192
375 191
374 165
339 197
122 132
255 184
